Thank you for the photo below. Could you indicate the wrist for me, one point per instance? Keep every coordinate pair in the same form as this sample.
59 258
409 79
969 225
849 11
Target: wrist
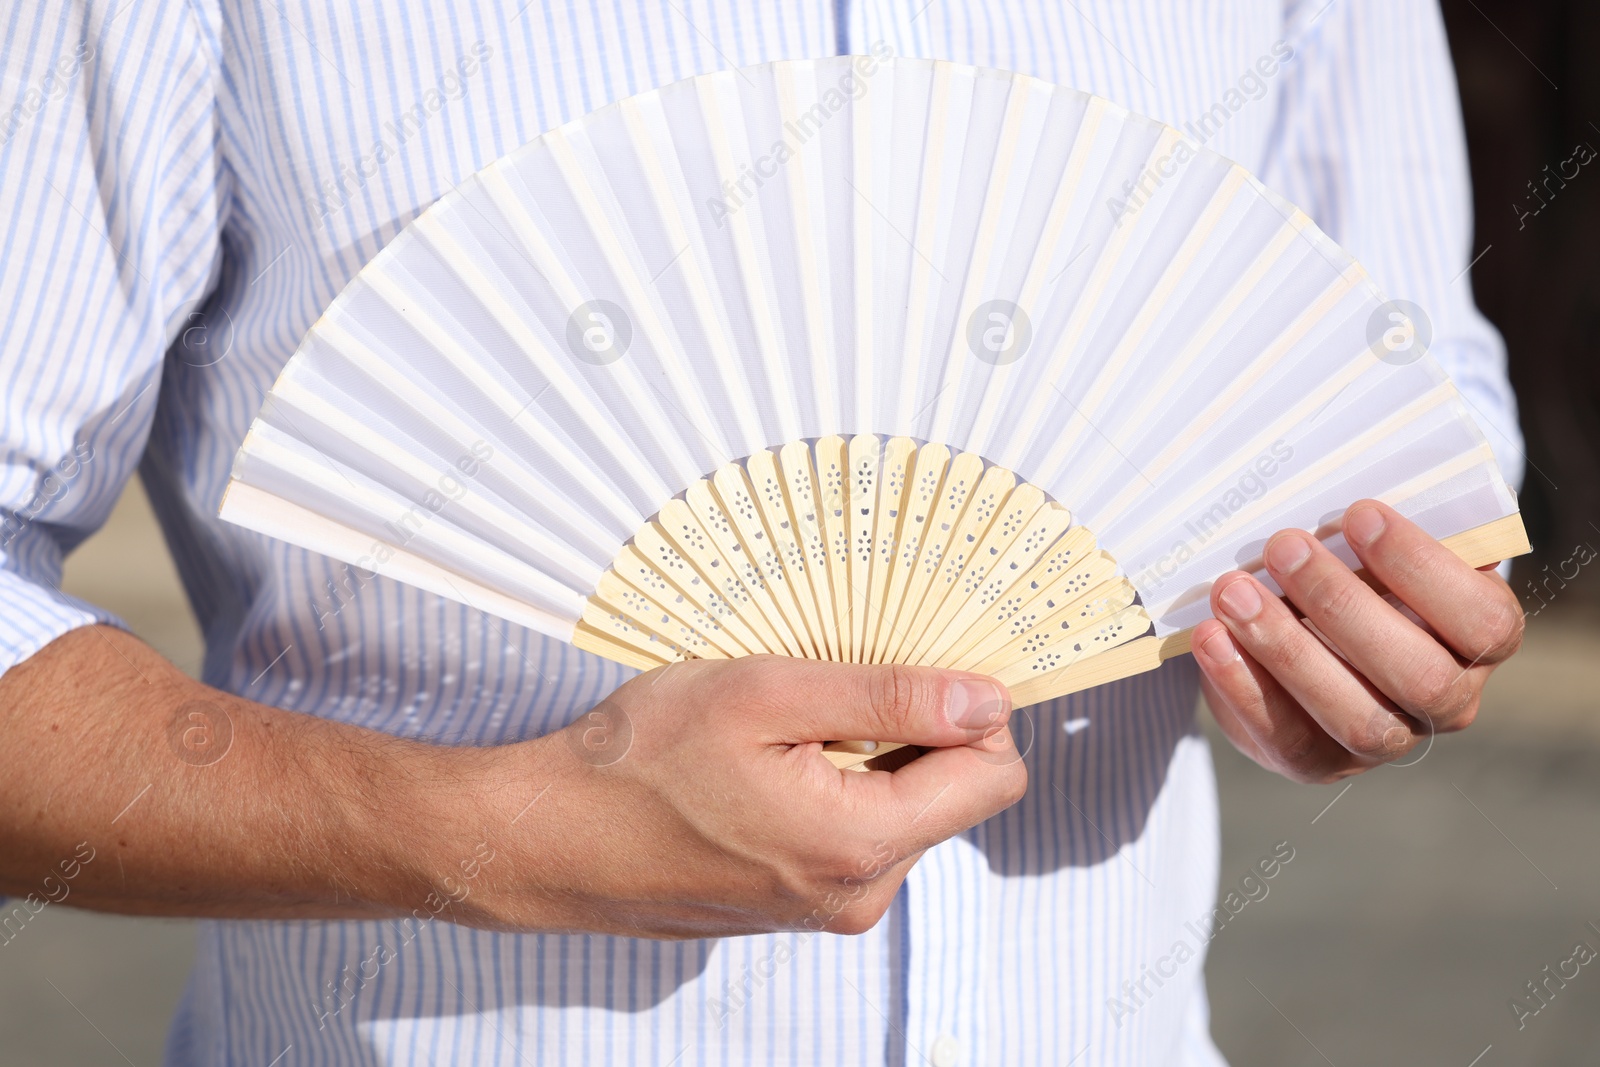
461 836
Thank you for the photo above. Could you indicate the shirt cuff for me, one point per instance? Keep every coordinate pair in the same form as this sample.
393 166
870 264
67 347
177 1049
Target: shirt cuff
33 614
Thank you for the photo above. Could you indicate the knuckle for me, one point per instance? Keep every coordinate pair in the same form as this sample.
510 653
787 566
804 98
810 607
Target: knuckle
1499 632
849 906
861 916
854 923
1415 562
1013 783
836 865
1463 718
754 682
1435 691
897 692
1299 755
1273 642
1336 600
1379 737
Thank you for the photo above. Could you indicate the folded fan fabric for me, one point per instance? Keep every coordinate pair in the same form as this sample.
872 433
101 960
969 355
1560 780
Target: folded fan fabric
916 270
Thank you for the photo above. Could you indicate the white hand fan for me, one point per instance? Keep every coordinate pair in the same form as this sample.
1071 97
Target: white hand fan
874 360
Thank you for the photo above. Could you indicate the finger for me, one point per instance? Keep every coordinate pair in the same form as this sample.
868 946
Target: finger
1260 716
1475 612
1226 716
1344 704
939 794
802 701
1420 675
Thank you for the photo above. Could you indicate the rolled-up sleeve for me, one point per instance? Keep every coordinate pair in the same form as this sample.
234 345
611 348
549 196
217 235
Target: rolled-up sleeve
1369 142
111 193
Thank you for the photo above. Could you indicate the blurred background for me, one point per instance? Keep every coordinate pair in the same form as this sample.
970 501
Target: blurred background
1422 898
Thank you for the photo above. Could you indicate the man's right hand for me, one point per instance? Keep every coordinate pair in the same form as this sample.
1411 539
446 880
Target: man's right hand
695 801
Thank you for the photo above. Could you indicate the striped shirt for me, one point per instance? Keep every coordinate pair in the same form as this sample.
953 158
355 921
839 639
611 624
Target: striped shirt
186 184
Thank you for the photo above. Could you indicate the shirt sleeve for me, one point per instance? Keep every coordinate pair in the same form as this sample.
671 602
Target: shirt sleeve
1369 142
110 192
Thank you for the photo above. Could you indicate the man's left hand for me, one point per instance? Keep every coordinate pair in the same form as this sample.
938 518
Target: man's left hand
1313 714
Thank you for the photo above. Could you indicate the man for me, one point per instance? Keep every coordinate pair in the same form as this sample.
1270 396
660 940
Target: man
372 792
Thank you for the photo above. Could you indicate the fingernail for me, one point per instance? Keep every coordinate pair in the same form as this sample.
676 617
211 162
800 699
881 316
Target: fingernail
1363 526
1219 648
974 703
1286 553
1241 601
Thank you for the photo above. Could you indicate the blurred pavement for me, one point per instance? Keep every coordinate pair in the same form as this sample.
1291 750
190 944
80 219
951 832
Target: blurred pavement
1420 899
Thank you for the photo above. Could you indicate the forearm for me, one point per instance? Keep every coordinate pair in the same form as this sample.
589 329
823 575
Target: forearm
111 752
706 810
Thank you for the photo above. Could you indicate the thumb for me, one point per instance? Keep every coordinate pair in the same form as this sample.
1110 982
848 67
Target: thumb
810 700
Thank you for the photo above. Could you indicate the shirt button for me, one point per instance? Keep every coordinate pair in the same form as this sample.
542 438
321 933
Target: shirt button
945 1051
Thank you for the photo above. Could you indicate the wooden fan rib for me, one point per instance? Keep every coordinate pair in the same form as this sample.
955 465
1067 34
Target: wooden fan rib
1087 643
894 483
1016 561
760 551
1069 616
713 555
1012 516
800 494
833 509
744 556
657 555
635 572
651 614
1028 595
1058 586
923 492
984 503
589 638
767 487
961 482
861 508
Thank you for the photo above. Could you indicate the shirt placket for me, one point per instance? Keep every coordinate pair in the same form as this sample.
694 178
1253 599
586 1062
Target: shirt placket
945 956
